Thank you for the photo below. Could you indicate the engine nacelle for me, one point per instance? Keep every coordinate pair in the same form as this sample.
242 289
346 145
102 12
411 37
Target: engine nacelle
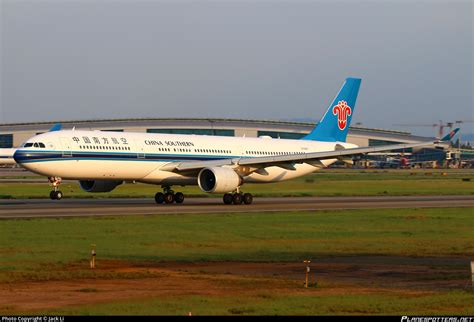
99 185
218 180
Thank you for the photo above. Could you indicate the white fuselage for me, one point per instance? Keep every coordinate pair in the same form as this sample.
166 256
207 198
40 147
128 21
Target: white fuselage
101 155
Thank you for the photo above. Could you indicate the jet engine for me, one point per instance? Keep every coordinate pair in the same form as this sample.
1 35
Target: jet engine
99 185
218 180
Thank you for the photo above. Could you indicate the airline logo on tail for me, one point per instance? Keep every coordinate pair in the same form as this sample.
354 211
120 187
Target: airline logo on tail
342 111
452 133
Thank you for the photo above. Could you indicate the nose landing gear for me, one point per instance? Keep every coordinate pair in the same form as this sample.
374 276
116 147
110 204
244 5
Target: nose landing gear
56 194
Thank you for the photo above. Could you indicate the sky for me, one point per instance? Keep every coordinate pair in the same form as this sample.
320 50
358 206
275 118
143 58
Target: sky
273 60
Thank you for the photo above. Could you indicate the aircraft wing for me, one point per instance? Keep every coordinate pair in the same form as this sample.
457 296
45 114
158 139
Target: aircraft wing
287 161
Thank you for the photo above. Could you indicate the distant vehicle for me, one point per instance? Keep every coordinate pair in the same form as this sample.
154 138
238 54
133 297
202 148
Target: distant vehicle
103 160
393 163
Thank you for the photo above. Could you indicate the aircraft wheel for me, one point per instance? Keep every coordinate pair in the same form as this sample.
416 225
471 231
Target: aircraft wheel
227 199
169 197
159 197
237 199
57 195
178 197
247 198
52 195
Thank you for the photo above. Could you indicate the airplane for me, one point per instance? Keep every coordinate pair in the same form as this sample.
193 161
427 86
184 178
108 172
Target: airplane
101 160
6 156
405 161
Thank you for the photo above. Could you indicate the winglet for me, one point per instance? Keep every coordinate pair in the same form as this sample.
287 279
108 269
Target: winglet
55 127
450 135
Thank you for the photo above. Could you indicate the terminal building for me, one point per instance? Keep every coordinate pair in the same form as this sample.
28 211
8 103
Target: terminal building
14 134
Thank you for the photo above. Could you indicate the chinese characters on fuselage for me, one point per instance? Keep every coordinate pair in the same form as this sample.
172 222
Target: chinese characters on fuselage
99 140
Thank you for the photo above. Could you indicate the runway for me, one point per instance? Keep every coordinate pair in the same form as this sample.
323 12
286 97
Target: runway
43 208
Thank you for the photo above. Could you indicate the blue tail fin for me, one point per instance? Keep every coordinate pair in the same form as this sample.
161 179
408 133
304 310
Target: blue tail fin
335 122
55 127
450 135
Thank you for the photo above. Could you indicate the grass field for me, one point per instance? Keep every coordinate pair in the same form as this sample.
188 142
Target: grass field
292 236
323 183
266 303
54 253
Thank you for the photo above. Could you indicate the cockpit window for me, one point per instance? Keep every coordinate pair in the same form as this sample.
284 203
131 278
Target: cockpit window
35 144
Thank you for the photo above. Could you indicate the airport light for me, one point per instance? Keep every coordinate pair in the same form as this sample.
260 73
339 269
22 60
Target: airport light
93 254
472 274
308 269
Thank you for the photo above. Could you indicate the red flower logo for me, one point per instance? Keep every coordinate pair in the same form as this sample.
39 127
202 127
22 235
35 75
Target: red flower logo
342 111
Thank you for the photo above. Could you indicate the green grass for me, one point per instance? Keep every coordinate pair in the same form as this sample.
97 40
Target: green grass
323 183
449 303
41 249
27 245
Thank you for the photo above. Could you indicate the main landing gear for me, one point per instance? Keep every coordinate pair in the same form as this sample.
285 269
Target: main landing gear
55 194
169 196
238 198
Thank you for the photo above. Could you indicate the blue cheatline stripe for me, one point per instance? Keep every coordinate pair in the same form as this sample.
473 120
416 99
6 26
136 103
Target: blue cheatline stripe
29 156
99 159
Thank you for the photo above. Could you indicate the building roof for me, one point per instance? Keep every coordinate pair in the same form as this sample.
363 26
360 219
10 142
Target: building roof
289 126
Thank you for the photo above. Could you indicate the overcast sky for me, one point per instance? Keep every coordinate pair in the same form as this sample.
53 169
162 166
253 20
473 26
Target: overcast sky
84 59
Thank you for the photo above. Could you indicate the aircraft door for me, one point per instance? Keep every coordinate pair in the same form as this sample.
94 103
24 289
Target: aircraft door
140 150
65 142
